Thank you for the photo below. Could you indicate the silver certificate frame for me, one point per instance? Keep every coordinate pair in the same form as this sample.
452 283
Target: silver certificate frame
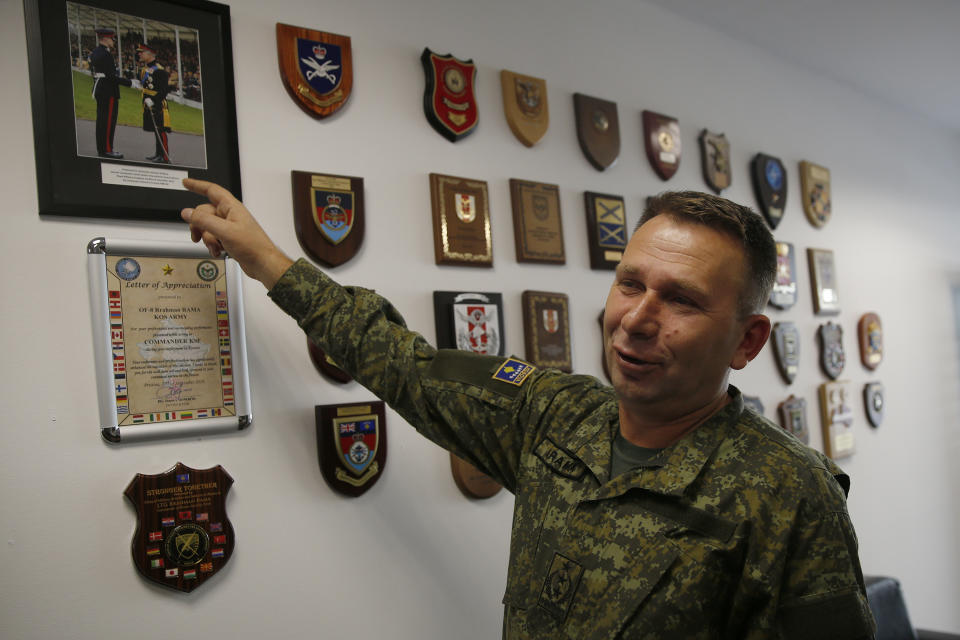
169 341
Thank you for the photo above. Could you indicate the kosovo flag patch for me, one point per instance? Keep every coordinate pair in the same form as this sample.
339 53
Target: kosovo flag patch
514 371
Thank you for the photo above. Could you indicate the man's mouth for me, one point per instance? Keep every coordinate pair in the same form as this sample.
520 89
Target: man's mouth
634 361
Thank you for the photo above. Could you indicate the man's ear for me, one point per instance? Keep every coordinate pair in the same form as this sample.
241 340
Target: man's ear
756 330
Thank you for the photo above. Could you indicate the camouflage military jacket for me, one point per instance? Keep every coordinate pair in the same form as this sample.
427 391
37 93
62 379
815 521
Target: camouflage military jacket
738 531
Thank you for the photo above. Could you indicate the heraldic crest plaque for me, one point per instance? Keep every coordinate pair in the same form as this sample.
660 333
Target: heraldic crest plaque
449 102
316 67
874 403
606 229
183 535
537 226
832 356
870 332
770 186
598 130
661 138
715 152
461 221
546 329
786 349
815 184
525 106
784 292
469 321
793 418
328 215
352 445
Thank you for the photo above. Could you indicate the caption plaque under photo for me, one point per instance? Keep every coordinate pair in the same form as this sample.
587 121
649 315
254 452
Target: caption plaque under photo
169 344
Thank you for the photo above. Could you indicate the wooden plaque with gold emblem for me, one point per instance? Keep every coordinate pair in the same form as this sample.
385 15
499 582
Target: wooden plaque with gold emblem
328 215
461 221
546 329
606 229
661 138
325 365
598 130
316 67
870 332
351 445
836 413
815 184
715 156
472 482
537 226
525 106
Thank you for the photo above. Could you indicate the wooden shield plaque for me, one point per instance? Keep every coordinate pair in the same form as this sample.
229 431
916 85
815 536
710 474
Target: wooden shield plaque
661 137
328 215
770 185
469 321
472 482
449 101
598 130
753 402
823 279
183 535
351 445
461 221
874 403
836 414
832 356
793 418
815 184
606 229
715 154
325 366
786 349
537 226
870 333
784 292
525 106
546 329
316 67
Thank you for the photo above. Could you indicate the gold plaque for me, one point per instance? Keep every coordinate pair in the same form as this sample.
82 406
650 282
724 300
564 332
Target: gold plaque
536 222
525 106
815 184
461 221
836 413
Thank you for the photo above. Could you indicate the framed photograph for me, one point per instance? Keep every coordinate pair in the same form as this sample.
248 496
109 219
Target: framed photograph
823 279
130 97
168 335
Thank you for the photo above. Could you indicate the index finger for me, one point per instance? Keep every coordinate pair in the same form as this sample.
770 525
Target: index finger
211 191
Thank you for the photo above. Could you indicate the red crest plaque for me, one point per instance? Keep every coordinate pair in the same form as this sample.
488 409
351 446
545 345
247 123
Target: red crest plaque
316 67
352 445
661 137
449 101
183 534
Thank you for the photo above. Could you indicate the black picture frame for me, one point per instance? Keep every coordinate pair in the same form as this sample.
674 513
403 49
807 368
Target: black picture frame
71 183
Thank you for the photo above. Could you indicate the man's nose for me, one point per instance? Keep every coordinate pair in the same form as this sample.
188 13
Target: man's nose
643 317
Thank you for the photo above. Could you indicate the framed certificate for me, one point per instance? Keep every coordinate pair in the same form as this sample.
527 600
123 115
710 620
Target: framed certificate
169 346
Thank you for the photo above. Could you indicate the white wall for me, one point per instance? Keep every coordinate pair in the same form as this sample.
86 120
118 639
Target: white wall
412 558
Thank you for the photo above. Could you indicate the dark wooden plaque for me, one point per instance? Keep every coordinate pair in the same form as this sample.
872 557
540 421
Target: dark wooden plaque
832 356
316 67
784 292
606 229
328 215
449 101
815 184
786 349
754 402
793 418
823 279
525 106
870 332
537 225
603 349
325 366
836 414
873 401
770 185
598 130
661 138
183 535
461 221
472 482
546 329
470 321
715 155
351 445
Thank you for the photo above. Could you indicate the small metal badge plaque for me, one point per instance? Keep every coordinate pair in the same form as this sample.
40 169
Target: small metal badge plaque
325 365
870 332
537 225
469 321
786 349
472 482
832 356
316 67
770 185
784 292
606 229
183 535
793 418
836 414
598 130
873 401
449 101
351 445
823 279
661 138
715 153
525 106
815 184
328 215
546 329
461 221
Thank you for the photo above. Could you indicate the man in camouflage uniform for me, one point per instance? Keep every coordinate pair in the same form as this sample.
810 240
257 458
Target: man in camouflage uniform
660 508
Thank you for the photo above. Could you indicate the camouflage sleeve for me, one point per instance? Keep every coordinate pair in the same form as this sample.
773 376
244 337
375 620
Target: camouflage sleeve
449 396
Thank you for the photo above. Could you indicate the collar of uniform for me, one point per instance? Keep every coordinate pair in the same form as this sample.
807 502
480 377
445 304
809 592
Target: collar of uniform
592 440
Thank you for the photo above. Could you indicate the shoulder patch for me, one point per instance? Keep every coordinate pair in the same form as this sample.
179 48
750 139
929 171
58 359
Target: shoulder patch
513 371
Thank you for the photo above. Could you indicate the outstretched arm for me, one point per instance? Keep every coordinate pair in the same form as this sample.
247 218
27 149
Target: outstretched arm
224 224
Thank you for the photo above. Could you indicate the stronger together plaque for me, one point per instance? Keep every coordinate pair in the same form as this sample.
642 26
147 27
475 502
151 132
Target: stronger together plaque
169 344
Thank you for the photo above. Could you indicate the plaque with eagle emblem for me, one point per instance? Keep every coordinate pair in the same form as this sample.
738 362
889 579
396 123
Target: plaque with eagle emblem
525 106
